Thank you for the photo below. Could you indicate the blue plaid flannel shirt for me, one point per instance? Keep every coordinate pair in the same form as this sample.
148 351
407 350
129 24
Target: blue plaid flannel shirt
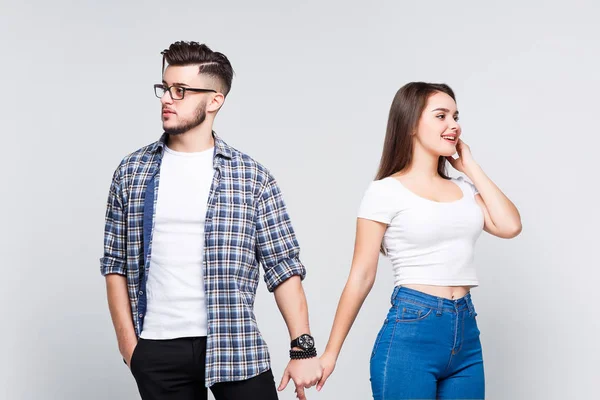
246 225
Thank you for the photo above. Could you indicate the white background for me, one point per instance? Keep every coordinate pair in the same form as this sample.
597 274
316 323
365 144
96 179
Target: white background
314 82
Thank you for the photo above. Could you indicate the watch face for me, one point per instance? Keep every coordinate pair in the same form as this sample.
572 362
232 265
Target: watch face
306 342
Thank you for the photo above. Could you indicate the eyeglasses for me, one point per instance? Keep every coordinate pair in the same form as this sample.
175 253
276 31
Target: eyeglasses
177 92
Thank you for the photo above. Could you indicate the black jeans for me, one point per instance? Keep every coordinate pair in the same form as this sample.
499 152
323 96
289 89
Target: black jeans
174 370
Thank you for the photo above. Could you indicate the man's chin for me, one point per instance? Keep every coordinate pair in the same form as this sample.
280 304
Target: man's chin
173 130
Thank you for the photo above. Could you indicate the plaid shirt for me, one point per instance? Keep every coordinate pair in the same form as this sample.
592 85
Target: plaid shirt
246 224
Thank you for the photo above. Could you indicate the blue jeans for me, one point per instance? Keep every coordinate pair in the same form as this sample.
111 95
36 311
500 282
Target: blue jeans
428 348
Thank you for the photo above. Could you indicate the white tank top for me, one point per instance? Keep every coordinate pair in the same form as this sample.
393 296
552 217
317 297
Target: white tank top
428 242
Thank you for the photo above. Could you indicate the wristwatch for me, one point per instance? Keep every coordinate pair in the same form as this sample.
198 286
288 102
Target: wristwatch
304 341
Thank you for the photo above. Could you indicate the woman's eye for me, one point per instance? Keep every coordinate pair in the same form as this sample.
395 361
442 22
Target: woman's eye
440 116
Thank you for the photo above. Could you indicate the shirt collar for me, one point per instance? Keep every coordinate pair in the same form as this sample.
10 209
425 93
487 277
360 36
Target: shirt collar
221 148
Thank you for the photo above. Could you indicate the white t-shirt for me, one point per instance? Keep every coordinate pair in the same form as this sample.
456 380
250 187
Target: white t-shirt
428 242
175 286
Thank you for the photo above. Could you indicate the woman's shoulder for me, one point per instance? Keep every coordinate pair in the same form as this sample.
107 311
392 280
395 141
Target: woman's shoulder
464 182
384 185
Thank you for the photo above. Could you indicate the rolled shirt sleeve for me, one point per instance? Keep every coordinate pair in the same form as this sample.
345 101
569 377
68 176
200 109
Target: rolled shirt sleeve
277 248
115 249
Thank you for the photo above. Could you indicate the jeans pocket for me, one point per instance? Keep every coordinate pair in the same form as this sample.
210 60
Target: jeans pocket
412 312
378 338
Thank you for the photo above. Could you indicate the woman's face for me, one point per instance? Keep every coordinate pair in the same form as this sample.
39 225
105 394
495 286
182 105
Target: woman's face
438 129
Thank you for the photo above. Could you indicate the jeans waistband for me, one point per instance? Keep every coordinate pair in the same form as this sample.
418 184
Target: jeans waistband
438 303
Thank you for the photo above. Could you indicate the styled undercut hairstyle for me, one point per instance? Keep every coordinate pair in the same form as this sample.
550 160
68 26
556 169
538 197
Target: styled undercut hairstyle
211 63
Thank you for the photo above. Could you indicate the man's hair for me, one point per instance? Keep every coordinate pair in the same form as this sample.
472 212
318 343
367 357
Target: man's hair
210 62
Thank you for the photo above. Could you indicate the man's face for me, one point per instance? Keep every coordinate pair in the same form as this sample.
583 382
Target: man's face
179 116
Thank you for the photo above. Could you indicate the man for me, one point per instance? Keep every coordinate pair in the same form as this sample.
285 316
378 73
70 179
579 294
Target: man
188 221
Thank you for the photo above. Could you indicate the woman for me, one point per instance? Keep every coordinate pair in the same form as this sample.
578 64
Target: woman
427 224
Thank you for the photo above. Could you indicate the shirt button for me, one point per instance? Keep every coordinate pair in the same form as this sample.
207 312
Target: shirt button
141 293
141 315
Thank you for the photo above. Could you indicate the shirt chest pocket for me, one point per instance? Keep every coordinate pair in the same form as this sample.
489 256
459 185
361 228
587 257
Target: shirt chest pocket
233 227
237 210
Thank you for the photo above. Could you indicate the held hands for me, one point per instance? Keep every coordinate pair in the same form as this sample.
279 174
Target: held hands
304 373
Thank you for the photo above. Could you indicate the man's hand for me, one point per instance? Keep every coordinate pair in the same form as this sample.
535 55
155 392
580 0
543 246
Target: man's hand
305 374
127 353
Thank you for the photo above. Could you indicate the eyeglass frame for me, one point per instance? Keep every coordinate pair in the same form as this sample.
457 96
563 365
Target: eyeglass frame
184 88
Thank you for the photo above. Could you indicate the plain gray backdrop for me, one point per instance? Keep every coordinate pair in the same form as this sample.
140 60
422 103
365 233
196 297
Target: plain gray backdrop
314 82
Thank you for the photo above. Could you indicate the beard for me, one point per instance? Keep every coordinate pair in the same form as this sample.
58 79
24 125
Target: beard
185 126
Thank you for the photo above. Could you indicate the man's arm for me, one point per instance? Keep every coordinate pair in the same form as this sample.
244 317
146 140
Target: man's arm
291 301
113 266
276 246
120 312
278 252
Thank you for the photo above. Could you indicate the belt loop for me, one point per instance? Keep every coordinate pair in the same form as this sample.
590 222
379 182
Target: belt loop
470 306
395 293
440 306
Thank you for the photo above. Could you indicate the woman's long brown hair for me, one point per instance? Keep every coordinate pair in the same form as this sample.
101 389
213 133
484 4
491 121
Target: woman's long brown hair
405 112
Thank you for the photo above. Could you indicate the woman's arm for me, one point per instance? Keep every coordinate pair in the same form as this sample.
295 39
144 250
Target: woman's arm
501 217
369 235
